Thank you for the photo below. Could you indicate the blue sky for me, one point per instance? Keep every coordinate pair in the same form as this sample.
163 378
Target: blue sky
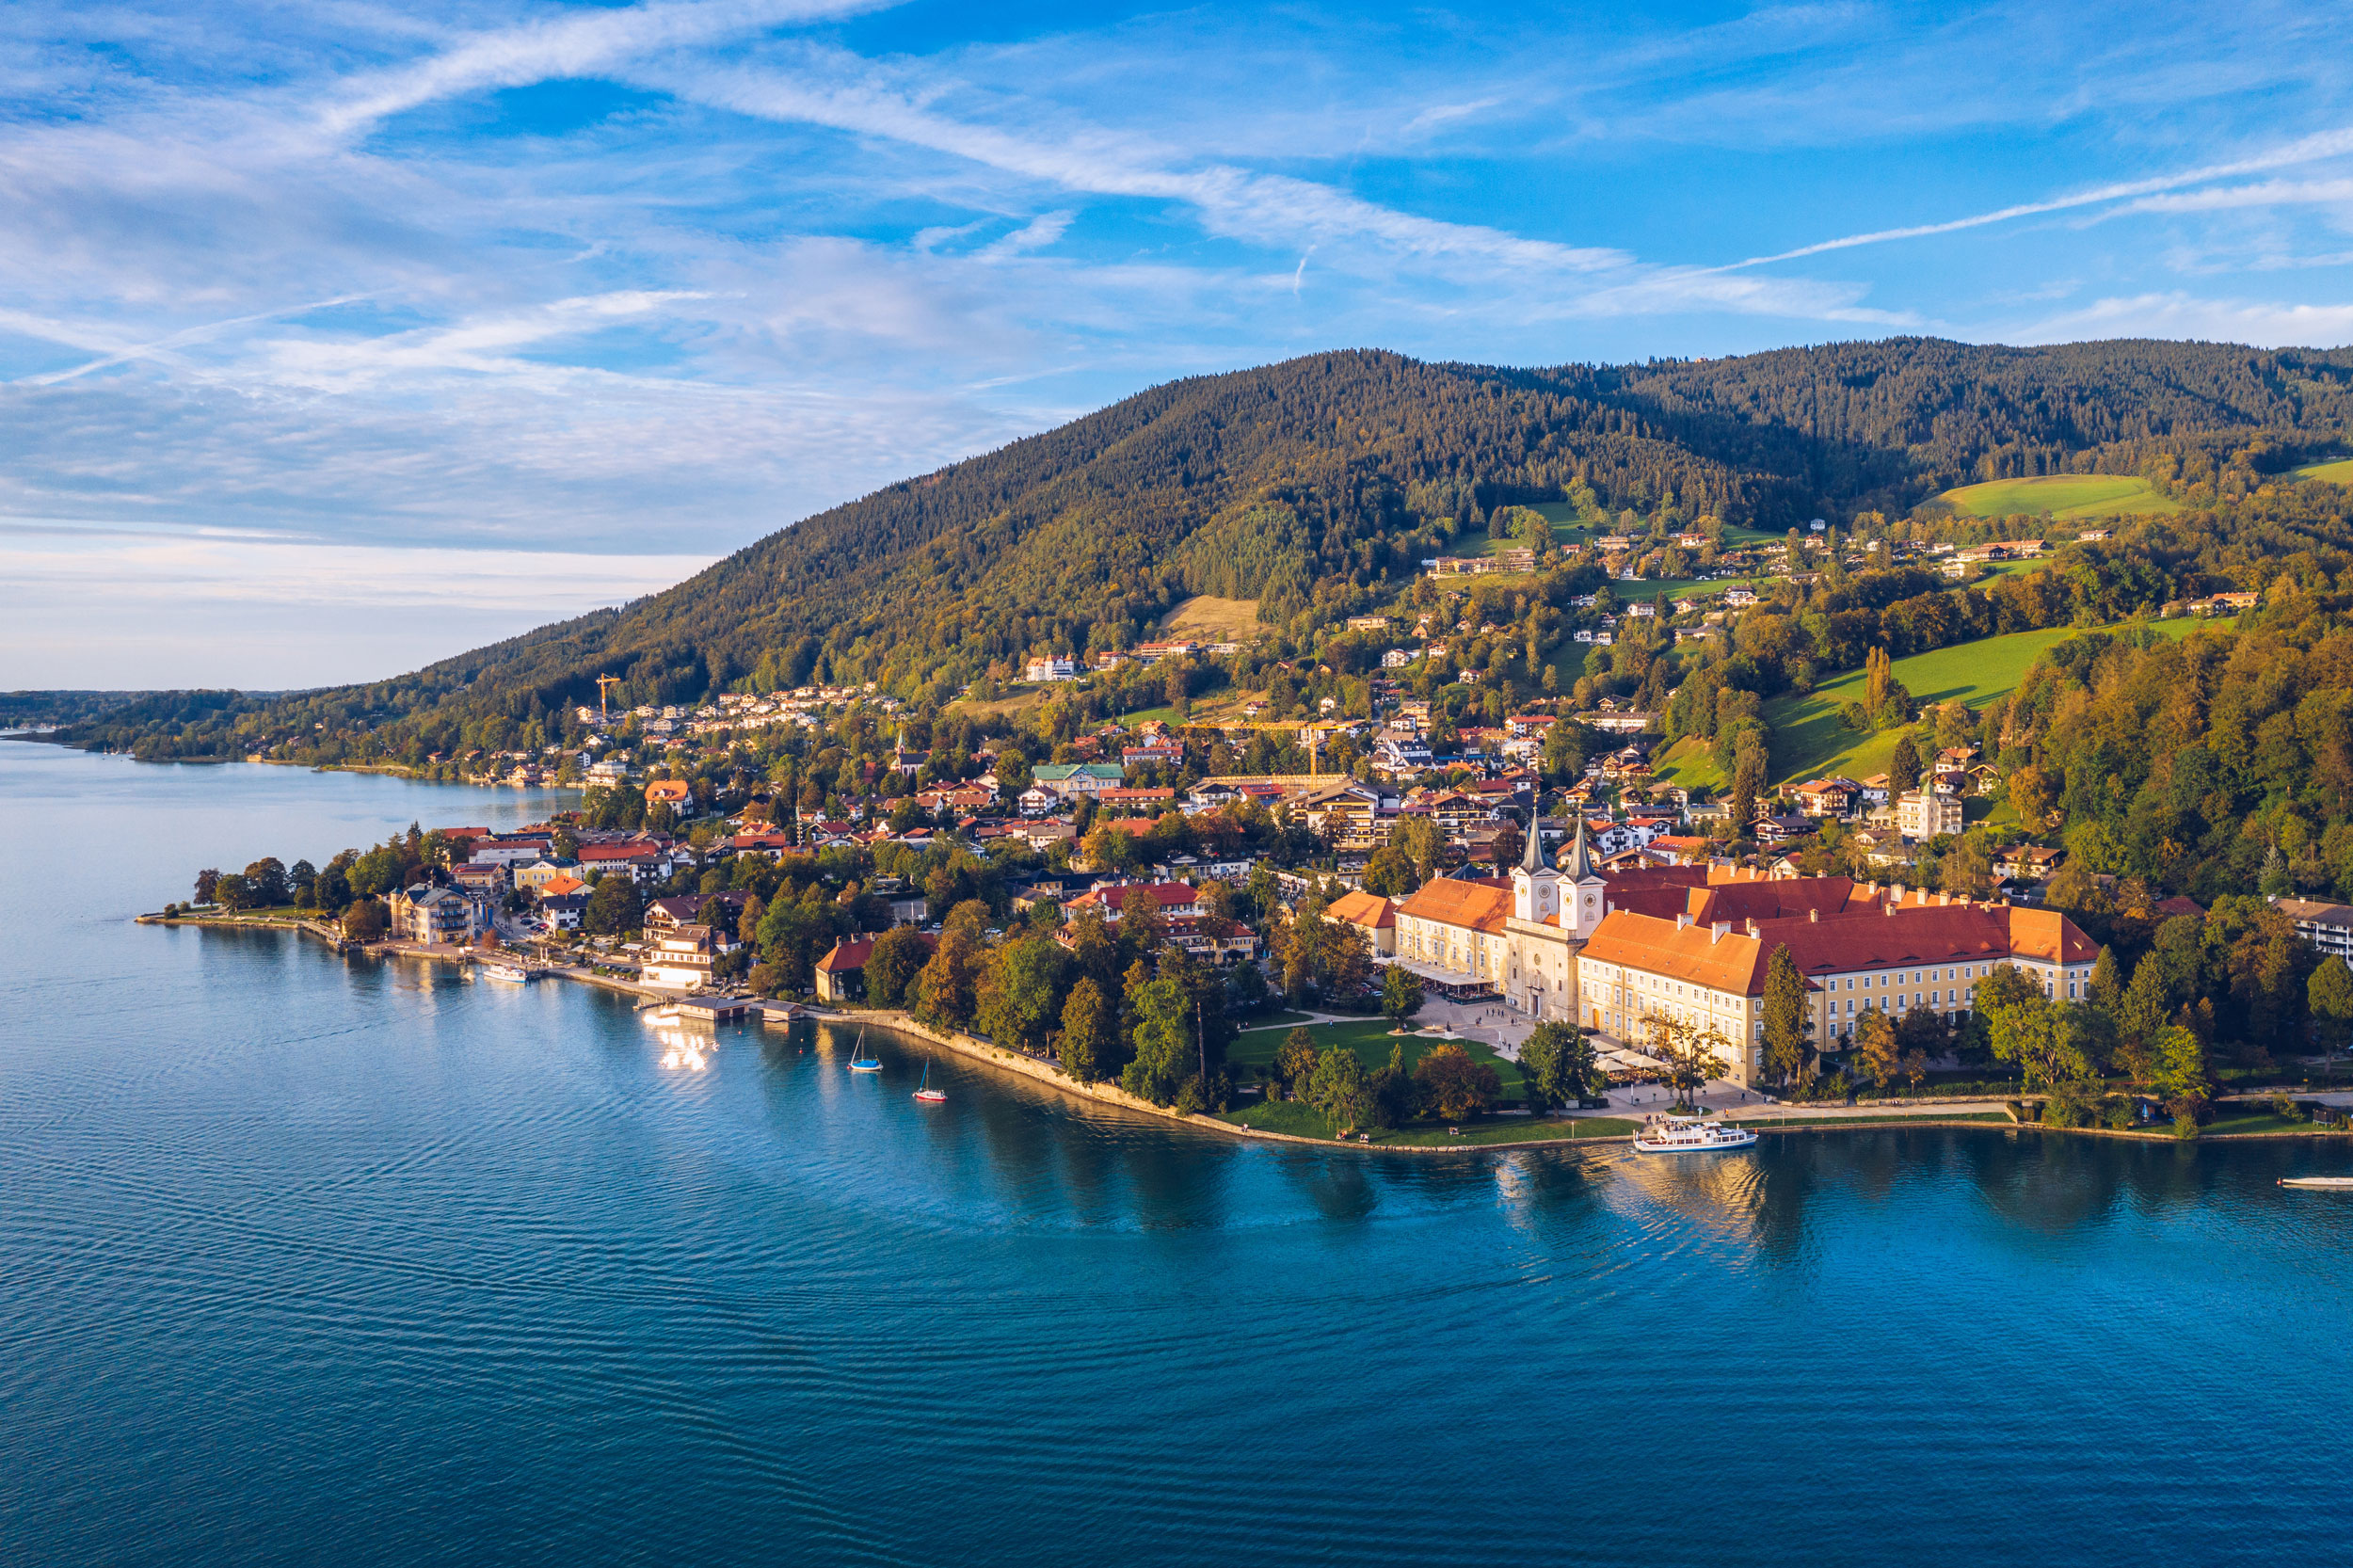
338 337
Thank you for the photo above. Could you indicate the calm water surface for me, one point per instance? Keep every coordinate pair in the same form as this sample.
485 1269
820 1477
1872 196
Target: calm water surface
304 1260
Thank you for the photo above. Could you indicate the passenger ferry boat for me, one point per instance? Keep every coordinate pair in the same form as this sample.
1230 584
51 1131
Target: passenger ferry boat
514 974
1690 1135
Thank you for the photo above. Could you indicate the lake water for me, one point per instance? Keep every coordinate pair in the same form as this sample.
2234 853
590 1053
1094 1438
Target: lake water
305 1260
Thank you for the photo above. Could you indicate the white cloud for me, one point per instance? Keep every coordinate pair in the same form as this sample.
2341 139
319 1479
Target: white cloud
2265 323
137 608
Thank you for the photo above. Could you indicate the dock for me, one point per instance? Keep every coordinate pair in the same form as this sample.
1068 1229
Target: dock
718 1009
2332 1183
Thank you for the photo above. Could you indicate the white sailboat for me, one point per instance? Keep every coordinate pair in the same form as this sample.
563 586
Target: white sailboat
924 1091
860 1061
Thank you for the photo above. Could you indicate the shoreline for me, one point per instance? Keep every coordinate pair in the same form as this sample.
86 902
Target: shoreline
1951 1113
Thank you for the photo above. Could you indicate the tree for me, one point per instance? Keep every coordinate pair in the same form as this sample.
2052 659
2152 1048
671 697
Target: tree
2328 997
2107 986
1690 1056
898 956
1337 1087
2140 1017
1453 1085
2046 1039
2034 795
1878 1055
1401 993
1090 1032
1557 1063
1510 842
2181 1079
1419 840
265 879
1142 923
367 920
1748 786
1389 1092
1164 1055
944 992
1788 1022
1019 993
1295 1060
231 890
207 884
1903 766
613 909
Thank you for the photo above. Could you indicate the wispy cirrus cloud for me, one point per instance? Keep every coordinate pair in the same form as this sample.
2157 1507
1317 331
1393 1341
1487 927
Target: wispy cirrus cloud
652 280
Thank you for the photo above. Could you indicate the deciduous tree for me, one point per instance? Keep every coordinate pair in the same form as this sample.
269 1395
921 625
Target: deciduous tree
1090 1032
1453 1085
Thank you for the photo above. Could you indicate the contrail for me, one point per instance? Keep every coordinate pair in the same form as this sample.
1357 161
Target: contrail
2323 144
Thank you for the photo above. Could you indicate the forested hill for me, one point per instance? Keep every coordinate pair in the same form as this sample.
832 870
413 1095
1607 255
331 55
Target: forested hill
1318 481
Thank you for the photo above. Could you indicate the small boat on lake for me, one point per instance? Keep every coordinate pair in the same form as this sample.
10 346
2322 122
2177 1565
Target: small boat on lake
924 1091
860 1061
2336 1184
1690 1135
499 969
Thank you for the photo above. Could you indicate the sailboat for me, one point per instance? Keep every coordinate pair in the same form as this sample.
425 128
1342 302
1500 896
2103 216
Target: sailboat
926 1093
860 1061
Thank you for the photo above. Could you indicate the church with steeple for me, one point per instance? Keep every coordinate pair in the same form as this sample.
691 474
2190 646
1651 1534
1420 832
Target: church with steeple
1518 939
1553 911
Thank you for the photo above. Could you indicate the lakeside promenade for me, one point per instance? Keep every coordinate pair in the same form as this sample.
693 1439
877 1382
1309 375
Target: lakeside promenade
1748 1107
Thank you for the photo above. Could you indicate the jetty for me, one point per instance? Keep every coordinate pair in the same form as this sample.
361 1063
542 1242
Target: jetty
2331 1183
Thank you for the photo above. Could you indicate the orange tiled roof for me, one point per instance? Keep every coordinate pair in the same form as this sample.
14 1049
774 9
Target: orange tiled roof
1864 936
1481 905
1732 962
1362 908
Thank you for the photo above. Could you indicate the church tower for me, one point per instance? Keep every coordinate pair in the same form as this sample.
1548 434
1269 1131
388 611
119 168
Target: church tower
1586 905
1535 886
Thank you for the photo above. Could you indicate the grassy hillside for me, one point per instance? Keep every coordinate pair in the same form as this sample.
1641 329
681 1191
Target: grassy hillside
2061 496
1689 764
1809 742
2337 473
1213 620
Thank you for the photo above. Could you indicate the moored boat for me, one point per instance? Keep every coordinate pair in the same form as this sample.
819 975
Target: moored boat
860 1061
499 969
1690 1135
924 1091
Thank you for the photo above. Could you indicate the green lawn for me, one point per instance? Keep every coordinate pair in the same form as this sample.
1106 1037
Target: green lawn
1809 741
1691 762
1277 1020
2061 496
2339 471
1306 1121
1370 1040
2241 1120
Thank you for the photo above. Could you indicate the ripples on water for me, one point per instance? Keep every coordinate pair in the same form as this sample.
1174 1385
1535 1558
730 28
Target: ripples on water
306 1261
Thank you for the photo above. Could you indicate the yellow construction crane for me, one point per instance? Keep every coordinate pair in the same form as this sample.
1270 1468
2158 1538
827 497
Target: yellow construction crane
602 681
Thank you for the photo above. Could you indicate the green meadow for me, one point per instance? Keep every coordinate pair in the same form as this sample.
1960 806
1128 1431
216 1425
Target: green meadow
2059 496
1370 1040
1810 742
2339 471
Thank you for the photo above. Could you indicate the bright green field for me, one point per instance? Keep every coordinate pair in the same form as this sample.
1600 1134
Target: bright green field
1370 1040
1810 742
2059 496
2337 472
1689 764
